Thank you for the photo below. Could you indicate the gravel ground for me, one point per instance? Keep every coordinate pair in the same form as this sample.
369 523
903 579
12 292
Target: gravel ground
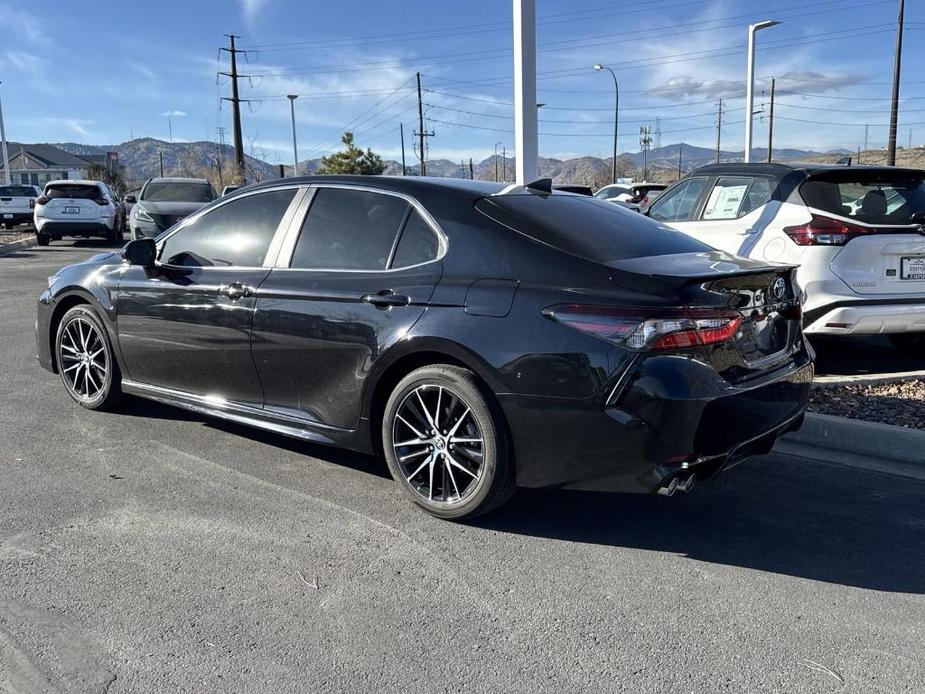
14 235
902 404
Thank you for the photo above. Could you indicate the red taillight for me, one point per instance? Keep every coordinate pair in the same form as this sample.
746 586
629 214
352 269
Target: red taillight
41 200
644 329
102 202
825 231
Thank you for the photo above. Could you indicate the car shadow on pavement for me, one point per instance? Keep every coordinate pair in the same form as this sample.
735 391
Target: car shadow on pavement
784 515
860 355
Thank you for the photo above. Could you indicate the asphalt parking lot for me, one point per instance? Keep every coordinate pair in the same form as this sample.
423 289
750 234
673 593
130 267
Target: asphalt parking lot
153 551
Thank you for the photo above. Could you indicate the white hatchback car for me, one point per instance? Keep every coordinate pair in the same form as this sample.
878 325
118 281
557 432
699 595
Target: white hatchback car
857 233
78 208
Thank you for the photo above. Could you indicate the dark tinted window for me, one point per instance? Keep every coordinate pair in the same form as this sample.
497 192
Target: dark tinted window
590 228
349 230
17 191
418 243
237 233
678 203
177 191
873 198
70 190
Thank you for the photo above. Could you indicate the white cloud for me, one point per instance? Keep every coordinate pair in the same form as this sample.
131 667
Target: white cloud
175 113
22 61
252 8
23 23
142 70
74 125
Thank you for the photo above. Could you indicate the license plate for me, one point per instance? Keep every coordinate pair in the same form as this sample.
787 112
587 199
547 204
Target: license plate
71 210
912 268
8 216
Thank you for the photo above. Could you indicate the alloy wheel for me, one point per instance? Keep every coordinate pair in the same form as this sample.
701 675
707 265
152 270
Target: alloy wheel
438 444
84 361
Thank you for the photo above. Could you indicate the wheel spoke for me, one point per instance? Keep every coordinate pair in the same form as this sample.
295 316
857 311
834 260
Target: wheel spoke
414 455
457 439
452 432
412 442
411 426
455 464
421 467
437 413
430 490
69 348
430 420
449 470
73 366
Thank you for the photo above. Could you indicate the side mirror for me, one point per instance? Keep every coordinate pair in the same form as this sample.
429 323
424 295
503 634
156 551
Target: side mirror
140 252
130 199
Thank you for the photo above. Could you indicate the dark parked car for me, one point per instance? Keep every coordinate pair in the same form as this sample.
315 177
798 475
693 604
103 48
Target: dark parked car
480 340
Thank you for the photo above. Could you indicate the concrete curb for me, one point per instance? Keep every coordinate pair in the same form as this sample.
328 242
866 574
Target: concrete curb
866 379
7 248
856 443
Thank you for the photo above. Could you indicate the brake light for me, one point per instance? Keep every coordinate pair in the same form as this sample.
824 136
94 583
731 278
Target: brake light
42 200
643 329
102 202
825 231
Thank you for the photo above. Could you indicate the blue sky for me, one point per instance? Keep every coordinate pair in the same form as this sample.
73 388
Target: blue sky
102 72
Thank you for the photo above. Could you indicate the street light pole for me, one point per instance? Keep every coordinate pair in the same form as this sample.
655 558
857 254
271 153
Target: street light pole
496 161
750 83
616 118
295 150
6 154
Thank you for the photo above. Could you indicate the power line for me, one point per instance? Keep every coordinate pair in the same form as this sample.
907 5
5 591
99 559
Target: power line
510 130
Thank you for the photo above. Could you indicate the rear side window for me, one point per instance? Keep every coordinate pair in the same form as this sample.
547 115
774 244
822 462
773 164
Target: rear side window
593 229
349 230
17 192
235 234
876 198
733 197
418 243
70 190
677 204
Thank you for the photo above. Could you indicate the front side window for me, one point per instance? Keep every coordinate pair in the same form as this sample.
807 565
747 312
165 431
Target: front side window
678 203
349 230
235 234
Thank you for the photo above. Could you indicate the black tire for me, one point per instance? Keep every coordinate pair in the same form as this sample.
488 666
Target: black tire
115 236
909 343
456 398
43 239
7 225
73 330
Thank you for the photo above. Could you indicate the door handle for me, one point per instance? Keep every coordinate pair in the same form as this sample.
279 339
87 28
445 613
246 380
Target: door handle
386 299
236 290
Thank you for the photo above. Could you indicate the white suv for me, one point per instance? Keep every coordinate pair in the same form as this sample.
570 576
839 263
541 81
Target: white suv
78 208
857 233
16 203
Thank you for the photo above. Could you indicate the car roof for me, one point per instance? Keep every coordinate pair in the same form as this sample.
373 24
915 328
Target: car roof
779 170
410 185
177 179
74 181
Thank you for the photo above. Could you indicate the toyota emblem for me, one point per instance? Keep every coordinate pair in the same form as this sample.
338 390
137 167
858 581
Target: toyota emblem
779 289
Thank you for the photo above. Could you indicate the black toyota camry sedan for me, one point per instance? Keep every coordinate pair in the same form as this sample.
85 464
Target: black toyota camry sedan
480 338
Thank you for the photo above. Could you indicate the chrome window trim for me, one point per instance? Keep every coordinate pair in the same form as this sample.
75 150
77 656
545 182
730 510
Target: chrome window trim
285 257
272 250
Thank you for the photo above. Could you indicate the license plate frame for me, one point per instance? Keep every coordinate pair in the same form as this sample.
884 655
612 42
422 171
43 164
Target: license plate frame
70 210
8 216
917 269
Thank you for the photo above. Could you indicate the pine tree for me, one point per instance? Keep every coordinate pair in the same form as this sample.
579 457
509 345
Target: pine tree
352 160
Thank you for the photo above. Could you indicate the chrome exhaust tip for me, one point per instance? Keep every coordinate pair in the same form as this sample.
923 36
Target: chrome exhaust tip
687 484
669 488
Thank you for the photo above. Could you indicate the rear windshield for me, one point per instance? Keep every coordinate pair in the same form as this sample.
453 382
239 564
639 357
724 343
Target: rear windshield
876 198
16 192
593 229
71 190
169 191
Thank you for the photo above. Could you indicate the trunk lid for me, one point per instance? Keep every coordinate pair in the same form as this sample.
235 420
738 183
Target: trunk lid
890 261
764 296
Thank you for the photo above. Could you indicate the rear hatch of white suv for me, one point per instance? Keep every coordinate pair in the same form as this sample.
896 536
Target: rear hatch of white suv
73 202
877 215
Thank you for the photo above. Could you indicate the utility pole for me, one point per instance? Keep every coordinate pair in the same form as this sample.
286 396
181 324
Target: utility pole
471 170
680 151
401 131
6 154
658 134
235 105
894 103
866 130
771 122
421 133
645 141
719 128
910 138
504 164
160 156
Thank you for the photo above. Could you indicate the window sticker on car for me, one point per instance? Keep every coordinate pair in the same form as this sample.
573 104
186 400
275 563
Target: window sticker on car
724 202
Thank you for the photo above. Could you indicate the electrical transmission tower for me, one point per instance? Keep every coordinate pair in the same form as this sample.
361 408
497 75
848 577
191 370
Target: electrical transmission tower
645 143
235 103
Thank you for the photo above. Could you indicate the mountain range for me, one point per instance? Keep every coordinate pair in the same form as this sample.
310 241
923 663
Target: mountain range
141 159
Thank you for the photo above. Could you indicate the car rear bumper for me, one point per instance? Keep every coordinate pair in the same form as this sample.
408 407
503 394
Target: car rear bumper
868 317
72 228
675 416
7 217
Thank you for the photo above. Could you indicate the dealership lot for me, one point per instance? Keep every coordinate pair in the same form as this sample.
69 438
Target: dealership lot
152 550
